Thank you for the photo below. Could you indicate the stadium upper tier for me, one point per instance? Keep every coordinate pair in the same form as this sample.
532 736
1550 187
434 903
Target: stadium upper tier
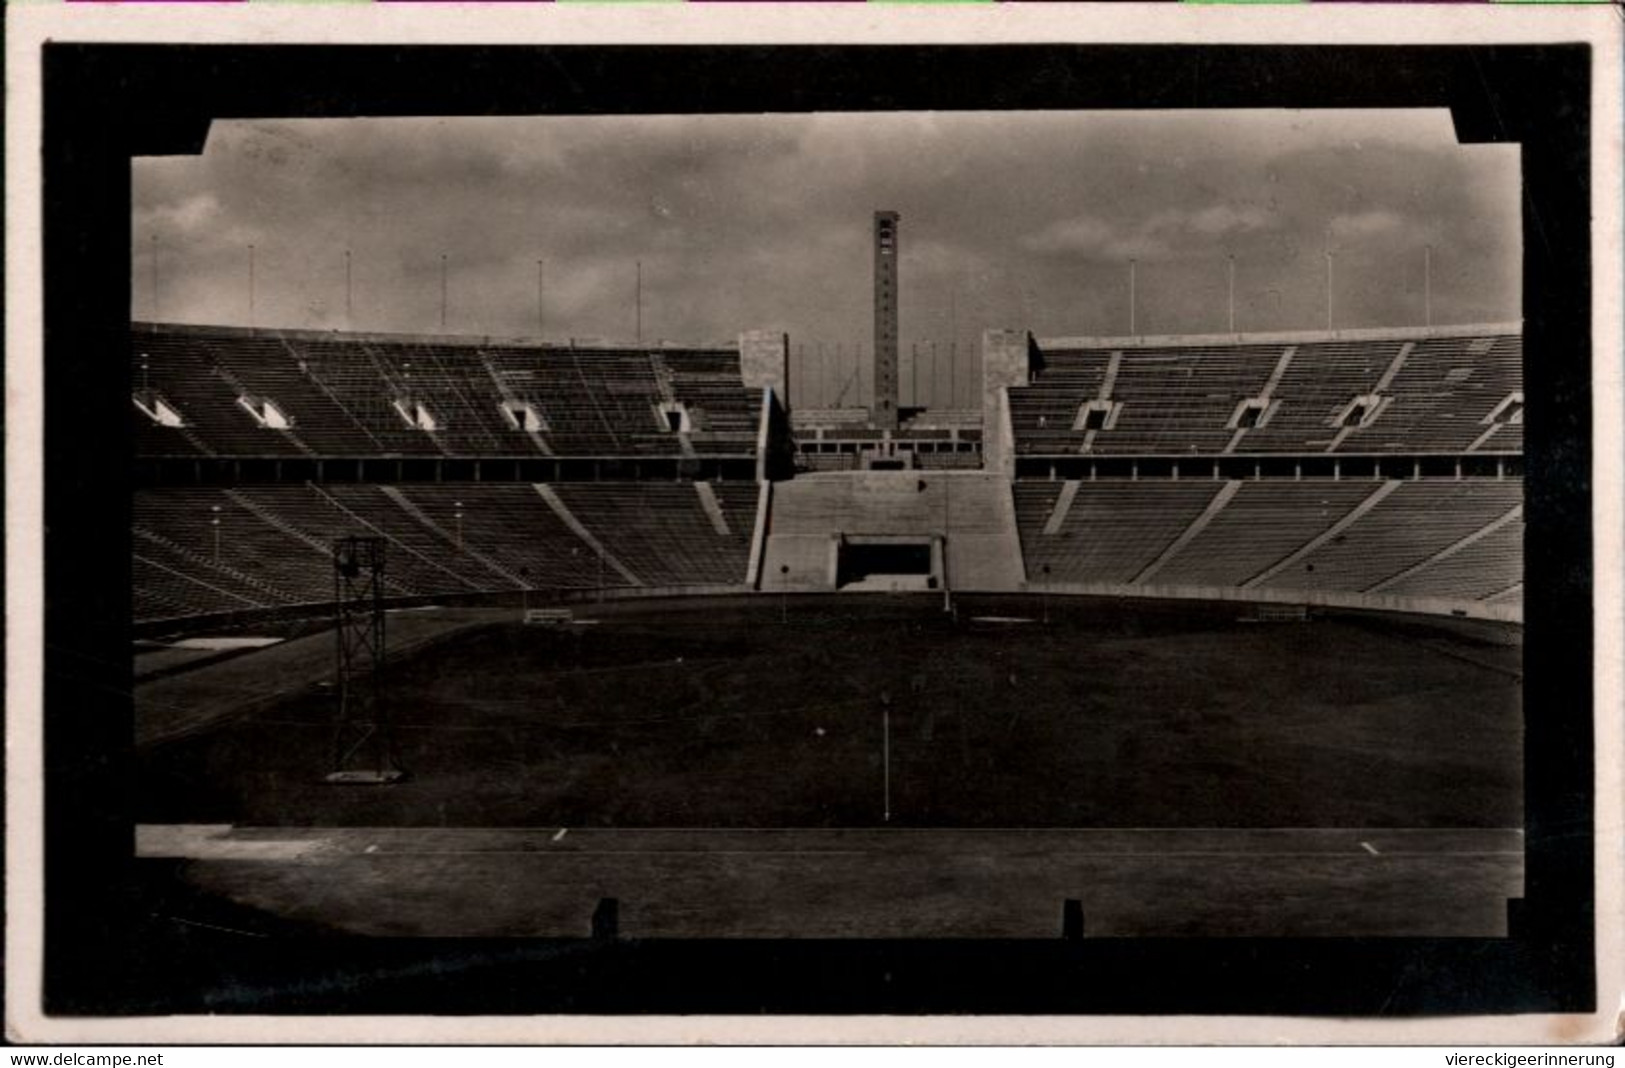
217 391
1432 391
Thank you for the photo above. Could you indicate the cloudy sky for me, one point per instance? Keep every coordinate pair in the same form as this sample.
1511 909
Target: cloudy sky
1008 219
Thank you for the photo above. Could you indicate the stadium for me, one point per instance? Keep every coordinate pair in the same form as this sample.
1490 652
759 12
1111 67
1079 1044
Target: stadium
1153 636
1148 620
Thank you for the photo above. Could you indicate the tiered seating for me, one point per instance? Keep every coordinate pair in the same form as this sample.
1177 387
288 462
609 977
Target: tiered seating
256 558
510 526
1442 394
662 533
1264 522
1482 569
443 538
596 402
708 383
1178 399
738 501
1035 501
340 392
419 561
168 585
187 375
1319 382
1112 530
1042 414
265 367
1413 523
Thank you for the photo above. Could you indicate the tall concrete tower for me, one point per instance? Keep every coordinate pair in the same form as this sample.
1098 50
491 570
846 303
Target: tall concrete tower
883 413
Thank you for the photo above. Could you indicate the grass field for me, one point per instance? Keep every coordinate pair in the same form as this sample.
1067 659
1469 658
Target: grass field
717 714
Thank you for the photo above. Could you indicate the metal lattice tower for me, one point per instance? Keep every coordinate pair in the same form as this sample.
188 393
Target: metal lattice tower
363 744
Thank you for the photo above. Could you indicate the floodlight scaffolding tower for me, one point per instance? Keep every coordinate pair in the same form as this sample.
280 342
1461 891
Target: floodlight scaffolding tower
363 743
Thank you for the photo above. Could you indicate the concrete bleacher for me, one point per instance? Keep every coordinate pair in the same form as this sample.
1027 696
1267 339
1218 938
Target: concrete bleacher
251 550
1478 571
441 539
1111 530
662 532
342 394
1178 396
1287 529
1262 523
189 377
1437 540
1411 524
1179 400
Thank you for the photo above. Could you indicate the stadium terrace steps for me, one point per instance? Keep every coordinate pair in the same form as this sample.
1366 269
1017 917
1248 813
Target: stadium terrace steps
1262 524
340 394
659 532
442 539
1178 399
1112 531
1433 540
1411 524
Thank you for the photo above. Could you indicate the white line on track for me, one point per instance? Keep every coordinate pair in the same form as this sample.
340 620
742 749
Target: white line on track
1369 848
562 832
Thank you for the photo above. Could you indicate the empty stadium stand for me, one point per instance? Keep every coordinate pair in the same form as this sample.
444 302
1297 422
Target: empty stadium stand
1416 392
1379 467
1428 539
204 551
379 395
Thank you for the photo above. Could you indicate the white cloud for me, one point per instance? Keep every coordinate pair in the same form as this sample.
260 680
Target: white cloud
1372 223
1160 234
189 216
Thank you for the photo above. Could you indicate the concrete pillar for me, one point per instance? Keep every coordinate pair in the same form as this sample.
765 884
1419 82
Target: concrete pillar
1006 362
764 360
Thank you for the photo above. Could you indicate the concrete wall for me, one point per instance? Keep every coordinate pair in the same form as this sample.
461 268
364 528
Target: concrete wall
764 361
1006 361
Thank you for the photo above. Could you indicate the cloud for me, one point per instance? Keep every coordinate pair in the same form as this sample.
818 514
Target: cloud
763 221
1168 233
190 215
1367 224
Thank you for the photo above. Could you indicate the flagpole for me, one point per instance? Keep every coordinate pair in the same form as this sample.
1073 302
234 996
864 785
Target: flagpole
1132 271
157 307
1427 284
1232 294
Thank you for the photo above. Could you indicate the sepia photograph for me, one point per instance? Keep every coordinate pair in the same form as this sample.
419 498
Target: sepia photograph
566 528
1193 606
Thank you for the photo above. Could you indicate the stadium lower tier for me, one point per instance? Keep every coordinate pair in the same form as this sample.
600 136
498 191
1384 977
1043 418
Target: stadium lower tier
1432 545
203 551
